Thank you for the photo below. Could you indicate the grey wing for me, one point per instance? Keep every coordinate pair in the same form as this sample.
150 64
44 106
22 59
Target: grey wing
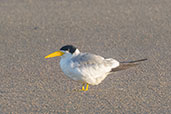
91 61
92 68
86 59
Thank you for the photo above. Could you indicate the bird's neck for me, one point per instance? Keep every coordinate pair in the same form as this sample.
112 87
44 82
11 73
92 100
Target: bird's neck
76 52
68 56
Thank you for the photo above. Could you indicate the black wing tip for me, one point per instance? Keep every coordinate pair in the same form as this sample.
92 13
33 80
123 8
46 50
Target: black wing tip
134 61
142 60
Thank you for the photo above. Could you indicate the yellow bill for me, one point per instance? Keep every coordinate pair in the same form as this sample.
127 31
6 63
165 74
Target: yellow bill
57 53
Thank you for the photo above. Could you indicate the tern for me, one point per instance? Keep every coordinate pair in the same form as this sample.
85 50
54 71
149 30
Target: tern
89 69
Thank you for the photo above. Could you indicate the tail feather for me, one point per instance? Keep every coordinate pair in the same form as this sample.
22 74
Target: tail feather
127 64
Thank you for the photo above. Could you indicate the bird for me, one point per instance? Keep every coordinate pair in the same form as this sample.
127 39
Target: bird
87 68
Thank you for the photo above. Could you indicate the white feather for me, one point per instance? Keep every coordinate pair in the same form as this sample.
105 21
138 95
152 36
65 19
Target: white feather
85 67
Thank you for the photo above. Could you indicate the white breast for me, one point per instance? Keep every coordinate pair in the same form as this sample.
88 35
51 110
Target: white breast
69 71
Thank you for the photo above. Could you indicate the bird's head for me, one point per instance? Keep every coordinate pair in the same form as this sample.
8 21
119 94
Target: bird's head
67 50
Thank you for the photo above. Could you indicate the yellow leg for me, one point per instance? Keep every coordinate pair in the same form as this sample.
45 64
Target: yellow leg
86 88
83 87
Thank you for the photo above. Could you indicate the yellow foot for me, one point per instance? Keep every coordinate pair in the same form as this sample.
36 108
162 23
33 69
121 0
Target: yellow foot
82 89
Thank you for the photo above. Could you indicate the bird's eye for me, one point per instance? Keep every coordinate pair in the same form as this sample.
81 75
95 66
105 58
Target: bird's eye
69 48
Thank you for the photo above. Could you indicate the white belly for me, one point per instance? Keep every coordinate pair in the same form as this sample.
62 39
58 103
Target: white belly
82 75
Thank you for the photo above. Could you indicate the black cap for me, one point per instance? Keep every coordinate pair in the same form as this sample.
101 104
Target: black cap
69 48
